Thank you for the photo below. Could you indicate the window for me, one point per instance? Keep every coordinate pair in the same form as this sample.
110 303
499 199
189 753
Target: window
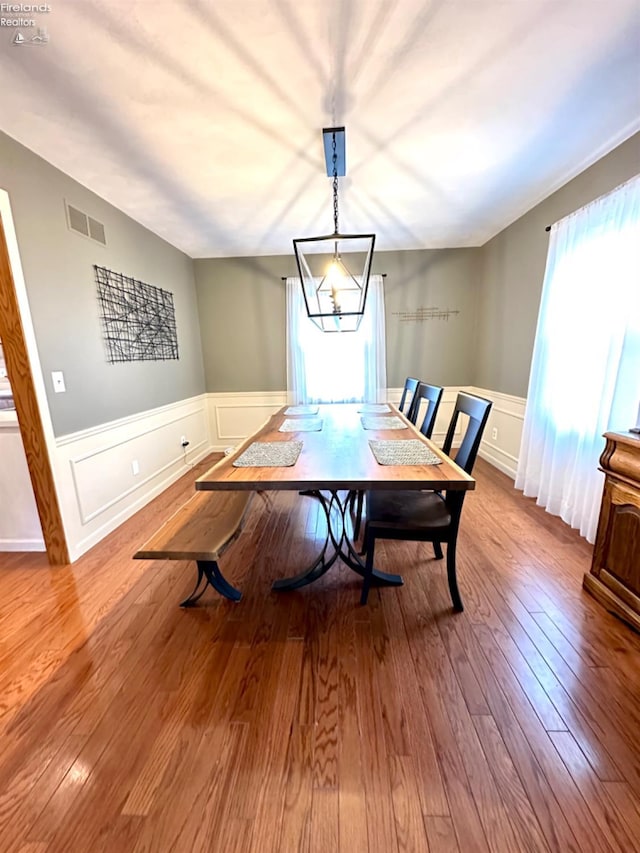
585 372
323 367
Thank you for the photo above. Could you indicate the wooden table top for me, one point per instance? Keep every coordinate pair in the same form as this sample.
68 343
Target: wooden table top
336 457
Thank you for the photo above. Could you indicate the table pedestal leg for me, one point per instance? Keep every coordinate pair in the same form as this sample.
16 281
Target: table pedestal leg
337 545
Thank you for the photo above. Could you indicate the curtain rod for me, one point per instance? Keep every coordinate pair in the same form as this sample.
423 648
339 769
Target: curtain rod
599 198
285 277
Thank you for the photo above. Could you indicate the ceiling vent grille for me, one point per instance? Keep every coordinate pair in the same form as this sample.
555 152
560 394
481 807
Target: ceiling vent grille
86 225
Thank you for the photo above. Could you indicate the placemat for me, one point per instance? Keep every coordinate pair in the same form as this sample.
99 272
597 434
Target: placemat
383 423
302 410
301 425
377 408
410 452
269 454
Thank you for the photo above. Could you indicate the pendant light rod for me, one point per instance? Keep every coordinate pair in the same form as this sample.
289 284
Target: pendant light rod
328 134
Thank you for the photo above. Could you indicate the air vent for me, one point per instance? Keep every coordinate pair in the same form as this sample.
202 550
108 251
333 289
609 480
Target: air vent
86 225
78 220
96 231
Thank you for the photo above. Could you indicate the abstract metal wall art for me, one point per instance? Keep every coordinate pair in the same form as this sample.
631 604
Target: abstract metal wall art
421 315
138 319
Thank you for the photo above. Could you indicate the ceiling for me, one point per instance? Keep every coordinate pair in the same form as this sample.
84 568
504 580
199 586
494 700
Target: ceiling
202 119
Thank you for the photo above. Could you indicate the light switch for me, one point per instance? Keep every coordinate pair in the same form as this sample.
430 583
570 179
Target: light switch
57 377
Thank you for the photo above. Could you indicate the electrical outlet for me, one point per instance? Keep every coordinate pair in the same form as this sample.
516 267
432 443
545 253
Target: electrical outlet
184 441
135 467
494 433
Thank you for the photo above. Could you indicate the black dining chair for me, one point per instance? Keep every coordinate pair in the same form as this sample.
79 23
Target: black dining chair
432 394
427 516
406 401
408 393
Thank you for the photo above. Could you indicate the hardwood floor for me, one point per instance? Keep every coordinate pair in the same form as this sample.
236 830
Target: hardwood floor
304 722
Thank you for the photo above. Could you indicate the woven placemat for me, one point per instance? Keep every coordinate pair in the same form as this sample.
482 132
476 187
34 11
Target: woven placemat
374 408
301 425
410 452
269 454
383 423
302 410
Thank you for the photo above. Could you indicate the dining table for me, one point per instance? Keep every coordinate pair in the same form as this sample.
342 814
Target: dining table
330 452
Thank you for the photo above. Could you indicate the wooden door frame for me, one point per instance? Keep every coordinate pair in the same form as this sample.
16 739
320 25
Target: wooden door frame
30 421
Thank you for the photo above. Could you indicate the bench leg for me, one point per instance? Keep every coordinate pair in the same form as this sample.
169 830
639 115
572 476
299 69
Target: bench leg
191 600
218 581
209 571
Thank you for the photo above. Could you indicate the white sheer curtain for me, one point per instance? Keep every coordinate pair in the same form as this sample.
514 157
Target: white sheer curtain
336 367
585 372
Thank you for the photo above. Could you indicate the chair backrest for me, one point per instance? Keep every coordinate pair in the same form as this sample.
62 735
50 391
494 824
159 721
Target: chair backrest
432 394
477 409
410 386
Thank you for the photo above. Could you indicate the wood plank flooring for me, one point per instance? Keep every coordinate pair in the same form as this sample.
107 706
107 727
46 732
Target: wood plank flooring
304 722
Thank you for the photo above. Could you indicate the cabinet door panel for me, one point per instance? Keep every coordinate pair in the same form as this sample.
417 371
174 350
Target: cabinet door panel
622 550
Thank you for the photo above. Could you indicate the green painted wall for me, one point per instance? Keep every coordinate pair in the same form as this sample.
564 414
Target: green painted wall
243 318
58 270
231 311
512 268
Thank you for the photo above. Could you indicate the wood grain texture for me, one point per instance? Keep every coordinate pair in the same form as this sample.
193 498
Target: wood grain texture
199 530
304 722
28 411
614 578
336 457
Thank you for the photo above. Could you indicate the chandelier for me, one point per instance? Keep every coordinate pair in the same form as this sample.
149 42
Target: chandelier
334 269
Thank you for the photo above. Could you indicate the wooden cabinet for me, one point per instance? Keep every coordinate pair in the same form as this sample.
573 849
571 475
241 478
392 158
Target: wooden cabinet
614 578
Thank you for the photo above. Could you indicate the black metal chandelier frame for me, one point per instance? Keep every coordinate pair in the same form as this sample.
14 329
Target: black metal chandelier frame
331 319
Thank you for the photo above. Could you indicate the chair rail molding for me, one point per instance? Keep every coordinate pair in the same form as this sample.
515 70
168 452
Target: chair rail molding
235 415
109 472
95 467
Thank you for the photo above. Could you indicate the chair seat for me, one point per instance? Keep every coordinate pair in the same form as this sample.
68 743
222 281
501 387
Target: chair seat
407 510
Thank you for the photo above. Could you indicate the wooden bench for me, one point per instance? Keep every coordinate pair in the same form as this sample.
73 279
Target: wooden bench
201 530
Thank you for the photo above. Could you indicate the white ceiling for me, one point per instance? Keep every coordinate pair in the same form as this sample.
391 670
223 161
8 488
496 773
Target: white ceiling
202 119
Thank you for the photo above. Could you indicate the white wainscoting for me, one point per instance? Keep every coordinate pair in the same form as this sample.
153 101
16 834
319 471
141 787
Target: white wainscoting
444 412
98 490
501 442
95 467
20 528
232 417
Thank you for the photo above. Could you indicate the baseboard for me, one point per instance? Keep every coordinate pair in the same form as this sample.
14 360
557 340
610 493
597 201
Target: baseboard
500 445
114 521
494 457
95 466
109 472
22 545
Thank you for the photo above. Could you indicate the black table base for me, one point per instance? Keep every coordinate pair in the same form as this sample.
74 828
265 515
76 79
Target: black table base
337 545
